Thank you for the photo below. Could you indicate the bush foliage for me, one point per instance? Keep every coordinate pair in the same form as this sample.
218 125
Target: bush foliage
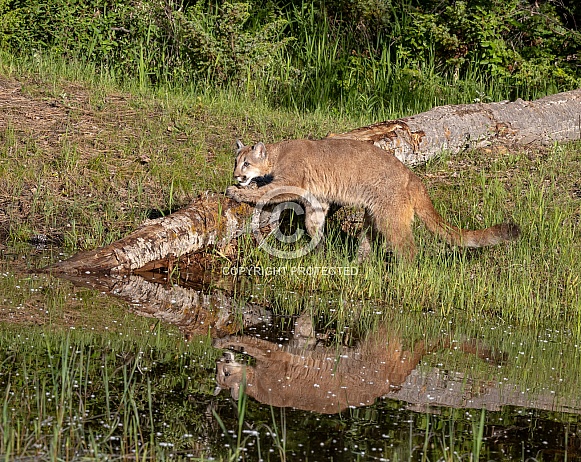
341 53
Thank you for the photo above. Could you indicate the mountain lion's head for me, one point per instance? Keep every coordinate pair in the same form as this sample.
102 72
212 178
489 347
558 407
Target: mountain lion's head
230 374
251 162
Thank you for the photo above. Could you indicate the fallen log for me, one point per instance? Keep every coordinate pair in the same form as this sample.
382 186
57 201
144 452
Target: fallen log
454 128
213 220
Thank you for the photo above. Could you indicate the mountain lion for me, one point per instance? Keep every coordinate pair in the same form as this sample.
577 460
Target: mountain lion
355 173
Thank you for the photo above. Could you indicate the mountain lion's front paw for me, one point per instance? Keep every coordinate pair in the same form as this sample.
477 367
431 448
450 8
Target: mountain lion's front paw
233 192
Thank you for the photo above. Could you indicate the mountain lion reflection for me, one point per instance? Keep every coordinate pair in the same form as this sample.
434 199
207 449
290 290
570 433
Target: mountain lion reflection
323 380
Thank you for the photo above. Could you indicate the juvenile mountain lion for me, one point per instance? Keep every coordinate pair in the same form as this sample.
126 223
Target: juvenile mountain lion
355 173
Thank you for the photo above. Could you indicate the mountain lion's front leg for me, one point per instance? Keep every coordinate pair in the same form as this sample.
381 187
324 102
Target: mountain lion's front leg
253 196
315 214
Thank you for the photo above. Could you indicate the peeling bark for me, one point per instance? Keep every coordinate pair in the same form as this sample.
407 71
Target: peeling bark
213 221
414 140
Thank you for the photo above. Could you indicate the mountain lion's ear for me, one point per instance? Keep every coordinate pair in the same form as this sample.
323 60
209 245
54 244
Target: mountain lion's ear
260 150
239 145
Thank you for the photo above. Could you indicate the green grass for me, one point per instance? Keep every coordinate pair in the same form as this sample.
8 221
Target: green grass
154 150
101 159
368 81
133 391
120 155
86 395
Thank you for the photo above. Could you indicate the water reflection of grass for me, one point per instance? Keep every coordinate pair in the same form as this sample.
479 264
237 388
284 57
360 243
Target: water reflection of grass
140 388
148 394
68 396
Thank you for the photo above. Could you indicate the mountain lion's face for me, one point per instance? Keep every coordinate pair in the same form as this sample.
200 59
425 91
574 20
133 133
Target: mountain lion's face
251 162
229 374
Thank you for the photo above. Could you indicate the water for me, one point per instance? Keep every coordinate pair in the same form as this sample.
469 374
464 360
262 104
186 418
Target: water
189 371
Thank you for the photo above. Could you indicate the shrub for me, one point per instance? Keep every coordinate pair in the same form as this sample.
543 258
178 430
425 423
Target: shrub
374 56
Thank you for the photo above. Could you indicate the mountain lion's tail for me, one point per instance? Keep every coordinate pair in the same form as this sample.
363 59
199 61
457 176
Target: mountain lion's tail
425 210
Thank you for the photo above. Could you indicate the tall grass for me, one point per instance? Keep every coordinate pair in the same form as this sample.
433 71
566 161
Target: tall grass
536 190
369 60
83 395
327 69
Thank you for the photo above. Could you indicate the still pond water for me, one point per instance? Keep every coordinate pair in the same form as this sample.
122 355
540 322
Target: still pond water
136 368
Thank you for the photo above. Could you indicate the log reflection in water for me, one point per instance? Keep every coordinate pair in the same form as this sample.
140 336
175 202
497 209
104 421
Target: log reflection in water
328 380
193 311
324 379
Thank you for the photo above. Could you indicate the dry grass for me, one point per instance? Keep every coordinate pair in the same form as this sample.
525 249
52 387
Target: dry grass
73 158
82 164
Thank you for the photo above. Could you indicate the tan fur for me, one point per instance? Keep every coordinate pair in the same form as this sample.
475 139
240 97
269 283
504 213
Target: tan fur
325 379
354 173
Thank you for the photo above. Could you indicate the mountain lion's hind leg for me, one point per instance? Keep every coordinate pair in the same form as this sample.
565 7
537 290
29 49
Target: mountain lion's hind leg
395 224
367 236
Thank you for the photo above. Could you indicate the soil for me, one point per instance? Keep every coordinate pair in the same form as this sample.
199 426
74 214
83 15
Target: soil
38 122
74 156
